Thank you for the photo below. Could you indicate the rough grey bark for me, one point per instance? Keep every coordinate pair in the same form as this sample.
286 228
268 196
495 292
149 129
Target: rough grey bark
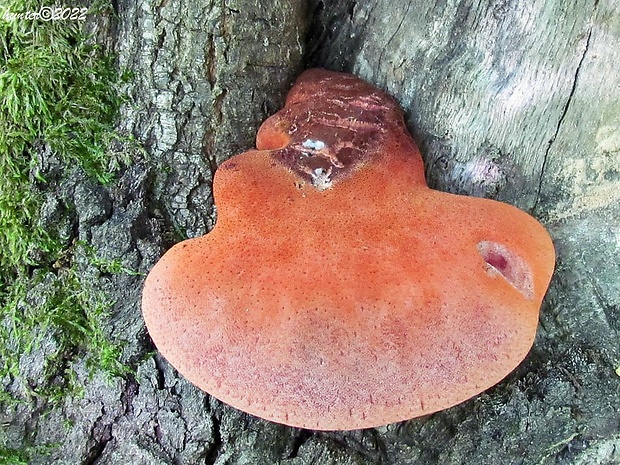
514 102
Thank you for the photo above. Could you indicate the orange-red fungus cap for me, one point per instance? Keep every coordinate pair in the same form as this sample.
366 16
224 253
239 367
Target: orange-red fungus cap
337 291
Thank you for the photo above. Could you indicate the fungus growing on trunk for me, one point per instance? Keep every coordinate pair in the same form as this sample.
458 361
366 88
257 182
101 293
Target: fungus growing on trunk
337 291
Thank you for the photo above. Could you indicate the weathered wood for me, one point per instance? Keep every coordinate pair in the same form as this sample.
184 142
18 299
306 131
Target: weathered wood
485 84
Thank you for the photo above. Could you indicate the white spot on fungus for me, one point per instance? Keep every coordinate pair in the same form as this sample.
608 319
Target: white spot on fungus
321 178
313 144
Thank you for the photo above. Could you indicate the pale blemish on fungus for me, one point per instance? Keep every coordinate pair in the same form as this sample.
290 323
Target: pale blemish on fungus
500 260
337 291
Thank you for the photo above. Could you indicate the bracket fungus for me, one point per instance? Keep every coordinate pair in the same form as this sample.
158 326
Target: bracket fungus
337 291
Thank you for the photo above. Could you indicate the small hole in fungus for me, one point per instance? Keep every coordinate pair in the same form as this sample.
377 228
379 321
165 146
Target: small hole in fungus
500 260
496 260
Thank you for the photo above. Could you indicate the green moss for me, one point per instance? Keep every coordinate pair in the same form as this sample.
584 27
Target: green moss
10 456
22 456
59 94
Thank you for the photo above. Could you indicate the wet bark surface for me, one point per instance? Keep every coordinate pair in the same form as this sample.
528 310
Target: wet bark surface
516 103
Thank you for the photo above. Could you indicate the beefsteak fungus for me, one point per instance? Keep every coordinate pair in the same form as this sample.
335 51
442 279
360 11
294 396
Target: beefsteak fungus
337 291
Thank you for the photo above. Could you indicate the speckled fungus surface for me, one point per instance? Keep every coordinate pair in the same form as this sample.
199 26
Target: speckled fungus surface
337 291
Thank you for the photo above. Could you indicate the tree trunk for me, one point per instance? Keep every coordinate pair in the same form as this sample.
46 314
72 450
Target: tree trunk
514 102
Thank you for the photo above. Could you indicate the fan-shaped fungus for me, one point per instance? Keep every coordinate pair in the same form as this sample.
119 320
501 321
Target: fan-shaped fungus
337 291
